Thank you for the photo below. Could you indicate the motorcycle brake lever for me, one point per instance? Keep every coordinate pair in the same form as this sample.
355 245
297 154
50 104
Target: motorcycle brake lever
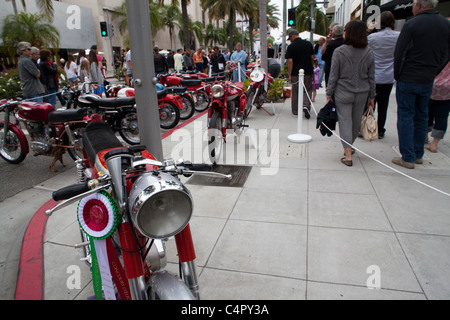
208 173
67 202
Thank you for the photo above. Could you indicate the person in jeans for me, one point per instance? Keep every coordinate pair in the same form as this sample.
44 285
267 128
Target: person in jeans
383 44
422 51
351 82
49 76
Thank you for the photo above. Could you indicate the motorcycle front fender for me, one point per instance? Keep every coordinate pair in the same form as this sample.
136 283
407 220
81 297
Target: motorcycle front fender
167 286
19 133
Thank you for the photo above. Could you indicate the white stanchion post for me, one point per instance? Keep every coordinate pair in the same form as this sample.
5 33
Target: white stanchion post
239 71
299 137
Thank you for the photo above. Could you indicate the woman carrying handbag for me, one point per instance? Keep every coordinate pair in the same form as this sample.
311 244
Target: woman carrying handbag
351 81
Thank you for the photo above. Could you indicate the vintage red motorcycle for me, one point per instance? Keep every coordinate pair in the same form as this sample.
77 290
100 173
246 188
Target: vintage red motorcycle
51 132
199 88
130 204
227 110
258 88
171 103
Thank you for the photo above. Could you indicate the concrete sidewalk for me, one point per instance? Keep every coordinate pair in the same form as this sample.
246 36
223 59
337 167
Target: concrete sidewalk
302 225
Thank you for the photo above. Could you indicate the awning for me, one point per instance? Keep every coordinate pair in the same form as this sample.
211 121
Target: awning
401 9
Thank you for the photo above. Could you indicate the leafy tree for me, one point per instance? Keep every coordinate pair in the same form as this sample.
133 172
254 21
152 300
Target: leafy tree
220 9
302 18
33 28
45 7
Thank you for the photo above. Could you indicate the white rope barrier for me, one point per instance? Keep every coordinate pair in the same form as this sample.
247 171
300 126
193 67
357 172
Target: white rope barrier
372 158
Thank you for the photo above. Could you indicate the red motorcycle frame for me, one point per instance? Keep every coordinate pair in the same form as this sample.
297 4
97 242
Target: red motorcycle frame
51 132
170 105
258 88
199 87
227 110
150 205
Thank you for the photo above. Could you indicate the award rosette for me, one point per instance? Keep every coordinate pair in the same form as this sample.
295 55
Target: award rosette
99 217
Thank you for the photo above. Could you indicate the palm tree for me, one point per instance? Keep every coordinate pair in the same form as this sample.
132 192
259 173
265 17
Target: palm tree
219 9
170 17
156 22
302 18
45 7
32 28
195 29
186 33
252 12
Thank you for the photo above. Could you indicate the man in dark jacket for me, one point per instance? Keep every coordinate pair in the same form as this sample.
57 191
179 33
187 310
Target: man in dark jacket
160 61
217 62
422 51
300 55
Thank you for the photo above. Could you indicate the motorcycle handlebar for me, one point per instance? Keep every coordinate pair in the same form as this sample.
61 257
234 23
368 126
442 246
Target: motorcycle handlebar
198 166
70 191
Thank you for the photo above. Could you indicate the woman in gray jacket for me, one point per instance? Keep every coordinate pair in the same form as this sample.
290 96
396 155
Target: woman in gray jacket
96 74
351 82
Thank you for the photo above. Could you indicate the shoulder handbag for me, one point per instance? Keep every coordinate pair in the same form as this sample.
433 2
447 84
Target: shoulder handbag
369 125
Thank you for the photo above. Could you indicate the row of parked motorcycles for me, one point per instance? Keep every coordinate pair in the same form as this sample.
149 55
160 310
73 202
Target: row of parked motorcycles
129 203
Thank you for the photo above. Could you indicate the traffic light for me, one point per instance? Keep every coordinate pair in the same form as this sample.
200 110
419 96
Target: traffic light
291 17
103 28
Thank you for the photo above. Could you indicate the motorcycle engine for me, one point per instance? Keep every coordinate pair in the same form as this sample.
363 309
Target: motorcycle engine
41 141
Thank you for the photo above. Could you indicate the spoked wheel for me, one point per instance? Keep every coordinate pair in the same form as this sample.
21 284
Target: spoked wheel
215 137
202 101
76 153
12 150
189 107
169 114
250 96
128 128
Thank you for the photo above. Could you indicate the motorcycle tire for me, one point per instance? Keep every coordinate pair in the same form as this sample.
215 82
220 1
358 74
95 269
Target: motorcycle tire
189 107
13 150
128 128
202 101
249 106
169 114
215 137
76 153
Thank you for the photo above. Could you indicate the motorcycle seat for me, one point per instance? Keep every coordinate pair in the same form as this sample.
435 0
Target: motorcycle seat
162 93
95 100
189 83
174 90
66 115
99 136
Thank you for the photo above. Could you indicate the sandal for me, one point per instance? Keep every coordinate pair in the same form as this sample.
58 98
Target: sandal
348 163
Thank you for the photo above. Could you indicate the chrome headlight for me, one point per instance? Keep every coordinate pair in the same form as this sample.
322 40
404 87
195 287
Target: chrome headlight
160 206
217 91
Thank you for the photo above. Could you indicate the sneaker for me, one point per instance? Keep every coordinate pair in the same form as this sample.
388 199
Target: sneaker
419 161
306 112
294 115
399 161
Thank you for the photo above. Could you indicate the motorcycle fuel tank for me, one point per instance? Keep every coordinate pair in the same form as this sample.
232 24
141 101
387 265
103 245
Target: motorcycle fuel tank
173 81
34 111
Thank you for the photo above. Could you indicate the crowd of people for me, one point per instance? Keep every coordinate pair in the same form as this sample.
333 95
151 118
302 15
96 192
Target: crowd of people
360 66
216 62
39 74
